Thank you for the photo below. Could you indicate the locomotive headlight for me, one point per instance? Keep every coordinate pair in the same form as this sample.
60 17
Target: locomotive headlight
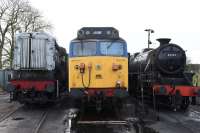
119 83
98 67
108 32
116 67
87 32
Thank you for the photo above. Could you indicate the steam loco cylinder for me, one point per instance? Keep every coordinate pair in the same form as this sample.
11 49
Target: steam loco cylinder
167 59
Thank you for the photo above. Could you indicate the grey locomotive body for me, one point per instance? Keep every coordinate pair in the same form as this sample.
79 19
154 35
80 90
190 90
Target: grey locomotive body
39 68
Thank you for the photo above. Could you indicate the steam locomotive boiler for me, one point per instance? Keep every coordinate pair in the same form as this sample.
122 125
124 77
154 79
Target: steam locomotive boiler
39 69
159 73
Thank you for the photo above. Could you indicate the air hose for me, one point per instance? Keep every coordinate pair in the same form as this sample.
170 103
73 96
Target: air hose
85 87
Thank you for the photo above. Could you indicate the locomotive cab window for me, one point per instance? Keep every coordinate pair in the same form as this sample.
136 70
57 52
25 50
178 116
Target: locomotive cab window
112 48
84 48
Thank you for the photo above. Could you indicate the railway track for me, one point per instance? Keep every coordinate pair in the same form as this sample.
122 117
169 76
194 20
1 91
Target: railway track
9 114
109 119
41 121
22 115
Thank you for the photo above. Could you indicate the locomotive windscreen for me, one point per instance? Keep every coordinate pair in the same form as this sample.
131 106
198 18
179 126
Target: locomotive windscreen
98 48
171 58
87 48
112 48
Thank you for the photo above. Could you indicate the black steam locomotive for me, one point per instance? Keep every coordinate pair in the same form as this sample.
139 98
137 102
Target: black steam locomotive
159 74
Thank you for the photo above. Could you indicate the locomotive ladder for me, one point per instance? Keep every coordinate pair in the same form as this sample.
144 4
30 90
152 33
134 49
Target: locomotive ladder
148 79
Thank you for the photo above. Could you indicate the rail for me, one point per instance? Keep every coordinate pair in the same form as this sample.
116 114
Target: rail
41 122
9 114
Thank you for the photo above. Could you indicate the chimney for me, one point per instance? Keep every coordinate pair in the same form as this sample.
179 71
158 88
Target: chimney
163 41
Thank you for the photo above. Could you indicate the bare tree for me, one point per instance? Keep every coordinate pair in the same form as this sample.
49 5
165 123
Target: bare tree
4 25
10 11
32 20
17 16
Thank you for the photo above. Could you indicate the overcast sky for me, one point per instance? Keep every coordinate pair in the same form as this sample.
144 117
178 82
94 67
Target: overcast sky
175 19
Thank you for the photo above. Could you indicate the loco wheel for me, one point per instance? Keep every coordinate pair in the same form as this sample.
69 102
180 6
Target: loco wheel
184 106
185 103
